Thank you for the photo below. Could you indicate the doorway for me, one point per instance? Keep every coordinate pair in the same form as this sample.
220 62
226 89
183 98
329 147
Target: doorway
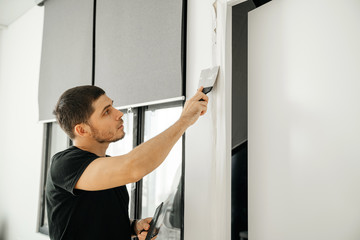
239 118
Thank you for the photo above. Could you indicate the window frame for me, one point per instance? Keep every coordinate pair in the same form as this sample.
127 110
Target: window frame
44 166
182 177
46 158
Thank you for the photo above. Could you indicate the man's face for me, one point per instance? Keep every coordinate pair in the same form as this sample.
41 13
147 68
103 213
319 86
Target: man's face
105 123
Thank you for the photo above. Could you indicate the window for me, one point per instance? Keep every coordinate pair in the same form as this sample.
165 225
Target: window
124 146
55 140
162 185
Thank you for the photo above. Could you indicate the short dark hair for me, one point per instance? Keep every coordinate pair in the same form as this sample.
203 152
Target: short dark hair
75 106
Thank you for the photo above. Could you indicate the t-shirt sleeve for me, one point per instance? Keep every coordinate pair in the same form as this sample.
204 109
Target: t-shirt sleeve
67 168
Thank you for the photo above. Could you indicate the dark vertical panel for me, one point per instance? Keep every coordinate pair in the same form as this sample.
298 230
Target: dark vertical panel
239 72
94 45
183 47
239 196
258 3
239 191
140 139
66 59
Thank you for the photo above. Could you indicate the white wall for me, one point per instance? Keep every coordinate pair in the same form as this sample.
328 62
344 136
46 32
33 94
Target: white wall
207 178
207 163
21 134
304 120
198 151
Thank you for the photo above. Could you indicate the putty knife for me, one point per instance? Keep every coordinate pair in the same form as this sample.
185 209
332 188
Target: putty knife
207 78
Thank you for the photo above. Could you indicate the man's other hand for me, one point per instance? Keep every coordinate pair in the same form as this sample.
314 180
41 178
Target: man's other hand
141 228
194 107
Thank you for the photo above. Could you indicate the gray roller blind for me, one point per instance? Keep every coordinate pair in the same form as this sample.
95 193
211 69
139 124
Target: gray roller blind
138 50
66 59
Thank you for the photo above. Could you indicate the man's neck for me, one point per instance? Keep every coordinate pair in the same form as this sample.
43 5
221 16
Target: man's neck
92 146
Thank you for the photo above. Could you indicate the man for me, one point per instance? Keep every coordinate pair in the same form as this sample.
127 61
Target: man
85 192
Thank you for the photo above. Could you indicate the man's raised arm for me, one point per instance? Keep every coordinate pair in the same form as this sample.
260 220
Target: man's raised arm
109 172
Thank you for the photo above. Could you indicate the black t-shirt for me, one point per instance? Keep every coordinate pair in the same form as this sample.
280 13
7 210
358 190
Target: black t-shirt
77 214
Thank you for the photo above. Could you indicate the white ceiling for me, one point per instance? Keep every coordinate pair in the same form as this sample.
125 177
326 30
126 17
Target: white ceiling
10 10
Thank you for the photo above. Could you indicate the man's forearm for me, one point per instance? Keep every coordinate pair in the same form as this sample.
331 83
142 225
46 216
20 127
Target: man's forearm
150 154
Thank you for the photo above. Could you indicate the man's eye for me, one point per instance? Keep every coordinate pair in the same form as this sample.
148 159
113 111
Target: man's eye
107 112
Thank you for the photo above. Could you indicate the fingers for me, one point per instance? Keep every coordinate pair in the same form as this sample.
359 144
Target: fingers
203 108
194 108
144 224
148 220
199 107
142 236
200 95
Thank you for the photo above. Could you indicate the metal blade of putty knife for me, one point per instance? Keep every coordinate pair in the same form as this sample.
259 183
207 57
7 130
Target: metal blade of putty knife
207 78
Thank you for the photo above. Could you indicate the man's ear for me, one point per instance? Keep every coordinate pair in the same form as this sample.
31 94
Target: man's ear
81 130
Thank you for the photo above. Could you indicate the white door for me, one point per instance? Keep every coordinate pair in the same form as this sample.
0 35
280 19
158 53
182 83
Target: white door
304 120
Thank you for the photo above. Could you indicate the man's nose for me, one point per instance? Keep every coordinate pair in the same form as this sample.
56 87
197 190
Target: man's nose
119 115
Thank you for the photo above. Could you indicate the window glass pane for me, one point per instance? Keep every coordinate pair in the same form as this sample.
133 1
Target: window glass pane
58 142
124 145
161 185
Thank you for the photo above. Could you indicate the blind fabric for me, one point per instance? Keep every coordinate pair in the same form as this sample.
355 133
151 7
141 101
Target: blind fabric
138 50
66 59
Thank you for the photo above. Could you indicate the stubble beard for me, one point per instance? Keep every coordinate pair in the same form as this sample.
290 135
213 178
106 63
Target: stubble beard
100 139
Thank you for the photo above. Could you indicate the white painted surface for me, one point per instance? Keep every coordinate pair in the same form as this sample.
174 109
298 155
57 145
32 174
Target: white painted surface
21 135
198 147
10 10
208 142
304 120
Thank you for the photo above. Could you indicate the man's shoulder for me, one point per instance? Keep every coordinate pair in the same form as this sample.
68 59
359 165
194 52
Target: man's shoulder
71 156
71 152
69 164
